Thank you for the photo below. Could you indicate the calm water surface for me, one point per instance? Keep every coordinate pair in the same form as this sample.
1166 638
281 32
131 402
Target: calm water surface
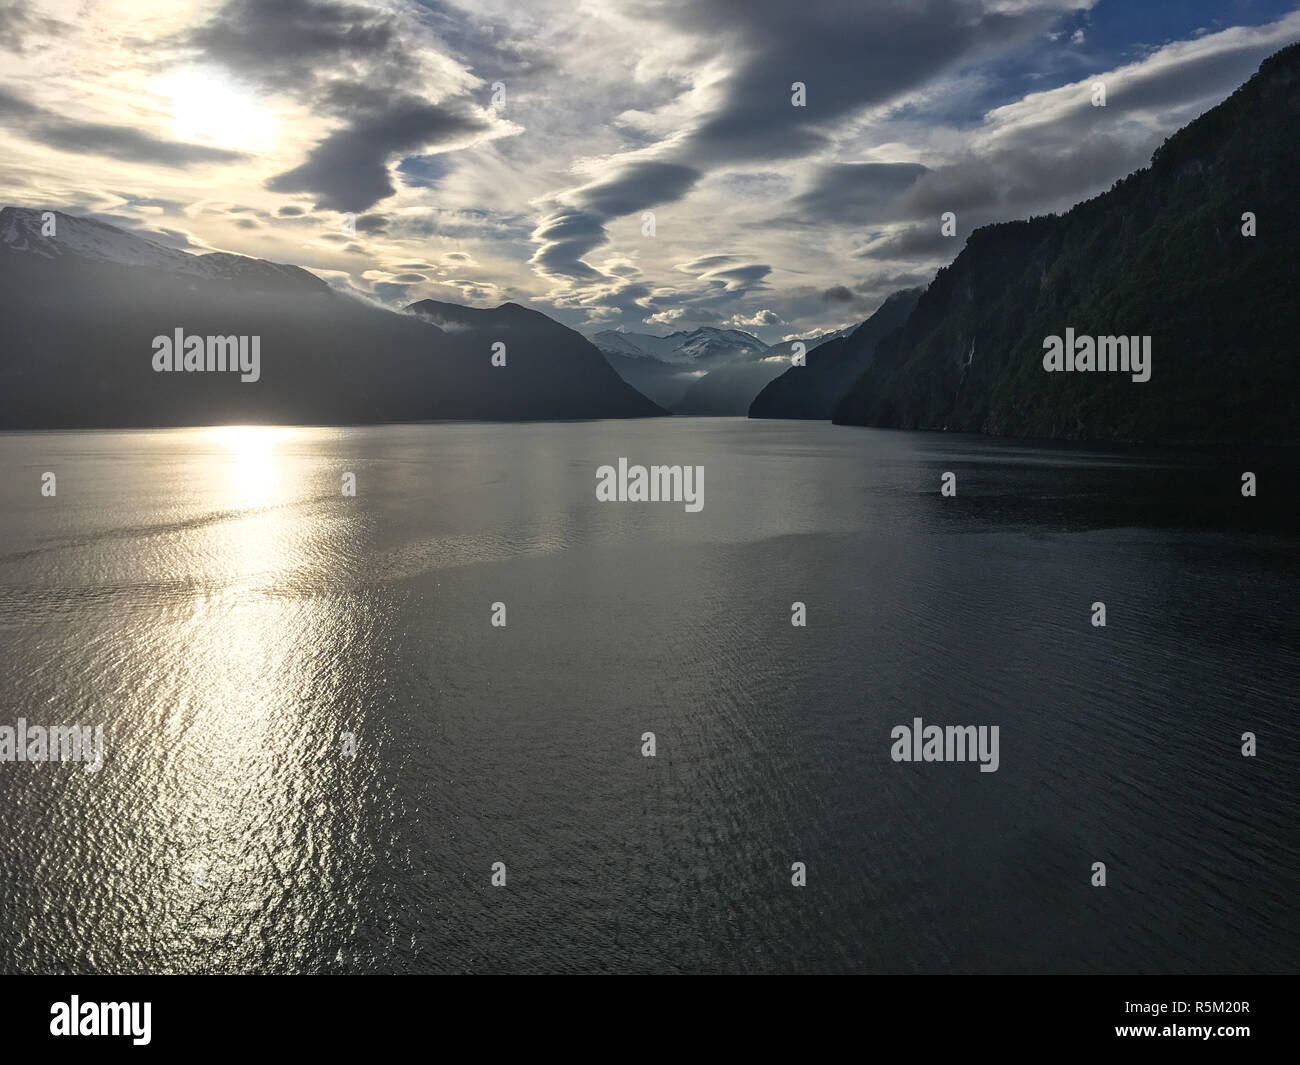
216 604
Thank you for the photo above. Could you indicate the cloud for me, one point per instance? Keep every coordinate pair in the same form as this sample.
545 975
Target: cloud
365 67
837 294
566 236
287 44
96 138
636 187
855 193
735 109
576 227
16 20
849 55
738 278
918 242
382 107
348 170
753 321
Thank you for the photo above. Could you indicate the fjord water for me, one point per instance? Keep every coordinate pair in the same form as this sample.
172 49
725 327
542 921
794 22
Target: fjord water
227 615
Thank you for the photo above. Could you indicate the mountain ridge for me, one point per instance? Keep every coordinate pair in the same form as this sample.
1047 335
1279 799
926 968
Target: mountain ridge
86 305
1163 254
812 390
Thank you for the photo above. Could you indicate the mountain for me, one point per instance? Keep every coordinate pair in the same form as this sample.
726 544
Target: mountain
665 368
706 346
731 388
812 390
705 371
1161 254
86 307
89 240
662 382
537 349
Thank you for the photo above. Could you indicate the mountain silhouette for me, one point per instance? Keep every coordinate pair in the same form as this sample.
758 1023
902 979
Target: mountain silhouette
86 304
1162 254
812 390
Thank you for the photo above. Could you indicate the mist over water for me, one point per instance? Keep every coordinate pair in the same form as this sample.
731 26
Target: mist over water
226 614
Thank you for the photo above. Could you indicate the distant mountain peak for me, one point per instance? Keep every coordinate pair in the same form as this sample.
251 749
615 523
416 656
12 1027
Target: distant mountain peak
704 344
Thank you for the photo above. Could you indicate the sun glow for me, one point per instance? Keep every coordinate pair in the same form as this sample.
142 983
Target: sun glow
205 108
249 437
252 466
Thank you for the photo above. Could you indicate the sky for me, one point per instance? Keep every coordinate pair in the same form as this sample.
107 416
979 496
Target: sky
486 151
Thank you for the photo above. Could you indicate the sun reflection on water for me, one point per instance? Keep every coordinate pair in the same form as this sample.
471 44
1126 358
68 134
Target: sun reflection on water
252 468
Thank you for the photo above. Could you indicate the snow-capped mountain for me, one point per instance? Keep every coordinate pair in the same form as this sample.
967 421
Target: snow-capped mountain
21 231
704 345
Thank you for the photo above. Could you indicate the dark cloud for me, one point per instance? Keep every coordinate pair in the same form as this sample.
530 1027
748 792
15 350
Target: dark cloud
570 233
925 241
14 106
123 142
637 187
374 224
348 170
391 292
290 211
855 193
1026 177
287 44
566 236
837 294
848 54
